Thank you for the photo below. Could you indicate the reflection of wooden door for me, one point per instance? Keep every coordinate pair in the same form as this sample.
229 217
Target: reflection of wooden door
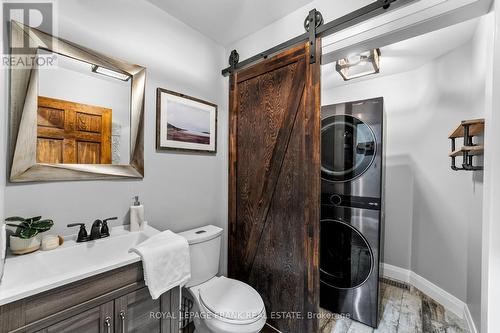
73 133
274 186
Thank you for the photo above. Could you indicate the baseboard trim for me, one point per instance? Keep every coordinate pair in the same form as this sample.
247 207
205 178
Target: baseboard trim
396 273
440 295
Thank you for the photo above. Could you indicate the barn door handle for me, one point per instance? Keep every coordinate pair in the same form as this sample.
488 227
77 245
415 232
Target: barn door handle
310 231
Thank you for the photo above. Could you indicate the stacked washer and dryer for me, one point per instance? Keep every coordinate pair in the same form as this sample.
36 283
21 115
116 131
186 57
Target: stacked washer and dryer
352 209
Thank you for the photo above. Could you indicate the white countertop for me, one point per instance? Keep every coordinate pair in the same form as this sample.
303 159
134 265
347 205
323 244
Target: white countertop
30 274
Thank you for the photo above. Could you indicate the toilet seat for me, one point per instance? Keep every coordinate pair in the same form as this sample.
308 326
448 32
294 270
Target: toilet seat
231 301
223 302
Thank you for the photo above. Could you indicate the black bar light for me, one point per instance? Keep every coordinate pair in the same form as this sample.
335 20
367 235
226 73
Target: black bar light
358 65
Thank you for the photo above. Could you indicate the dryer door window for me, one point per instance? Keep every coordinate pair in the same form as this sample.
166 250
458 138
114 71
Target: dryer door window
348 148
346 258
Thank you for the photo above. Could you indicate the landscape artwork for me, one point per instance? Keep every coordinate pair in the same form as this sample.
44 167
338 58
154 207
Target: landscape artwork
188 123
185 123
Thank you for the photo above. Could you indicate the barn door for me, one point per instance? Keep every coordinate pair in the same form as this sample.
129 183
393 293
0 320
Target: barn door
274 185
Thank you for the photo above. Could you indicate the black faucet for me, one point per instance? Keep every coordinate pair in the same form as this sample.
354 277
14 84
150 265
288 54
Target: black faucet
105 228
95 231
98 230
82 233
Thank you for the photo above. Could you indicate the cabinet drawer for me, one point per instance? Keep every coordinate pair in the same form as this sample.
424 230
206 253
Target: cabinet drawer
95 320
53 301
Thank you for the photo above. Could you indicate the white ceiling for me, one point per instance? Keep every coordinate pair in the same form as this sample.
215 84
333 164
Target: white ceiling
226 21
409 54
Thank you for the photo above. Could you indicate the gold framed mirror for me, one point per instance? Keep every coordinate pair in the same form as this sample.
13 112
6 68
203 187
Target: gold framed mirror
80 119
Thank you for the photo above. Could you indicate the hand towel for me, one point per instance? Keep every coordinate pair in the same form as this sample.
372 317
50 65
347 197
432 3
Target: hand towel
165 261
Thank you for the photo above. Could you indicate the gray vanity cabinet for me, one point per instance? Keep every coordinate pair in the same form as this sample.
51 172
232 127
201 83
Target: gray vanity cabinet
116 301
95 320
137 312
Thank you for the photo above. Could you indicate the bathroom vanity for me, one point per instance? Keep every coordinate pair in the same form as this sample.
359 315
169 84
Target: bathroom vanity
85 287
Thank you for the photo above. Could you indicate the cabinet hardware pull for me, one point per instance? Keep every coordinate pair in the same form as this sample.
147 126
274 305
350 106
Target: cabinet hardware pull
122 317
107 322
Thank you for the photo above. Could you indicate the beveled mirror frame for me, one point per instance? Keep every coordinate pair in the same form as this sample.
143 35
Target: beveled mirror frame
24 105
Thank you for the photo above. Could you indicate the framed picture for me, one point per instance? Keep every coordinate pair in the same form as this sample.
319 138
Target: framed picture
185 123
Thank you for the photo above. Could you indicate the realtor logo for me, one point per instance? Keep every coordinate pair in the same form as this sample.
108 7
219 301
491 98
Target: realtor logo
37 15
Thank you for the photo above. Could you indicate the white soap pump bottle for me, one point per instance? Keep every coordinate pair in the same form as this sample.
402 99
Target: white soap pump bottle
136 215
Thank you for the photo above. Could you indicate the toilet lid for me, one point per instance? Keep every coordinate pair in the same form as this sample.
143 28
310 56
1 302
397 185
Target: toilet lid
232 299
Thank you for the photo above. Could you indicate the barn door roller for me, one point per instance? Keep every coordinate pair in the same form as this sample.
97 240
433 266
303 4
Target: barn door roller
311 24
318 30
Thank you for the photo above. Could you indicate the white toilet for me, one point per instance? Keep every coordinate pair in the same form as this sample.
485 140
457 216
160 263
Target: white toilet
222 305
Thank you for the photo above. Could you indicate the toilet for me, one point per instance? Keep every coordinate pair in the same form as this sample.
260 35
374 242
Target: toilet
222 305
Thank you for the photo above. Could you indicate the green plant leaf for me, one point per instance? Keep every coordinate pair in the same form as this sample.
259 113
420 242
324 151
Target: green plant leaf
26 224
15 219
15 225
42 225
28 233
33 219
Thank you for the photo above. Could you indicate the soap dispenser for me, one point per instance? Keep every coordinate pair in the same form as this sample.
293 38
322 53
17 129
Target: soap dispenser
136 215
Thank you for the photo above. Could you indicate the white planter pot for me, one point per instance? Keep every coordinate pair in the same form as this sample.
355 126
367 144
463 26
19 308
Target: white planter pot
23 246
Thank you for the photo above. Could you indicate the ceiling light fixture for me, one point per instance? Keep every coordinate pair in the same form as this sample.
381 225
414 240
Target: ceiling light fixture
109 72
358 65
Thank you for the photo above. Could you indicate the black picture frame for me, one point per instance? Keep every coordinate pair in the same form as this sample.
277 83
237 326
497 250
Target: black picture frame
192 142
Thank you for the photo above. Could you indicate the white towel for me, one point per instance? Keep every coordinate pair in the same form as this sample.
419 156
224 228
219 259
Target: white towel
165 261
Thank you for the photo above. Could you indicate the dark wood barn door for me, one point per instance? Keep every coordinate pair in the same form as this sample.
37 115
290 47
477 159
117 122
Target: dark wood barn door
274 185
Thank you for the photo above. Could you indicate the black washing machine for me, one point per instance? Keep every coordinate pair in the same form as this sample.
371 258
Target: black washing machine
351 208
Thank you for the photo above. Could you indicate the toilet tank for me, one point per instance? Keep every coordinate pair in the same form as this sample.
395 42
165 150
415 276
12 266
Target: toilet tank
204 250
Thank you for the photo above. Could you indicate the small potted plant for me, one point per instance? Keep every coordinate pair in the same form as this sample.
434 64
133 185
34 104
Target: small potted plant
27 237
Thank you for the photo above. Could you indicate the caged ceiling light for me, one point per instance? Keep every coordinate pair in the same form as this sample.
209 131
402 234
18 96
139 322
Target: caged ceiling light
358 65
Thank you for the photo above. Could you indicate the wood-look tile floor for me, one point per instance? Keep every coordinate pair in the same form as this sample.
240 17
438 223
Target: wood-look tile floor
404 310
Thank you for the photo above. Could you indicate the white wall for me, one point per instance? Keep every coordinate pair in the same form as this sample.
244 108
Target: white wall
481 67
433 214
292 25
490 291
180 190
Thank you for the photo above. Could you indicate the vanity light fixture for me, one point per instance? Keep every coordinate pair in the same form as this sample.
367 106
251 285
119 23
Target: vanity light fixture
109 72
358 65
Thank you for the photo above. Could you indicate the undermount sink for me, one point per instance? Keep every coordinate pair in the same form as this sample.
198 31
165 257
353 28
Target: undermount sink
31 274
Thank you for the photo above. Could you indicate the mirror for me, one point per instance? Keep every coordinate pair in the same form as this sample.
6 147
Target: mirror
83 116
80 118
